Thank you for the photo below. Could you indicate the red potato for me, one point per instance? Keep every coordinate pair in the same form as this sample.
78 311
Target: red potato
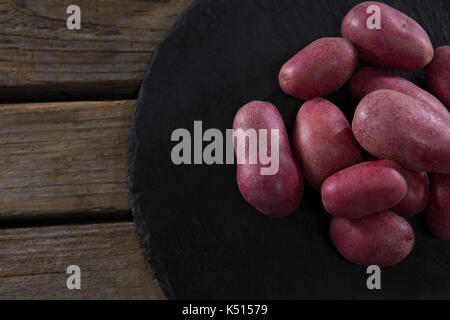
438 213
381 239
438 74
392 125
416 199
323 141
400 43
363 189
367 80
319 69
275 195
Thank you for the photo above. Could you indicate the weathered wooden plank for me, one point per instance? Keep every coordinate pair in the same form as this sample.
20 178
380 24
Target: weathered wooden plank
40 58
34 261
60 158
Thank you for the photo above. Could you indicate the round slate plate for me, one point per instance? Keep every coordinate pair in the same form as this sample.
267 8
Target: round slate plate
201 238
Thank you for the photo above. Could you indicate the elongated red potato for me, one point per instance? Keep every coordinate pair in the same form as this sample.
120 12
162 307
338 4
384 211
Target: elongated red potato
416 199
367 80
363 189
383 239
319 69
392 125
438 74
399 43
438 213
273 187
323 141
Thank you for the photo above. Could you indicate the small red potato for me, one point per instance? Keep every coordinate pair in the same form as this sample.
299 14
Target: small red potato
278 193
392 125
367 80
363 189
322 67
438 213
323 141
416 199
399 43
438 74
381 239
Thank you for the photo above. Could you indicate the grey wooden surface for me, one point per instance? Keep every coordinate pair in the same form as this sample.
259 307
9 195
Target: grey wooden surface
63 164
41 59
34 261
64 158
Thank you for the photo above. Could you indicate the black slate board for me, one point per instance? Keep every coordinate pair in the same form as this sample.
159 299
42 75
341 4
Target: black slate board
201 238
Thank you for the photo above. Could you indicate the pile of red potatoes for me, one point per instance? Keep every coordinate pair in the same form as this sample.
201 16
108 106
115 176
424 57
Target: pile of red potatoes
375 173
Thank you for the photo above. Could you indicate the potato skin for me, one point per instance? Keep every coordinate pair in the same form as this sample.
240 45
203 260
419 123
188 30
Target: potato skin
363 189
438 74
438 213
367 80
320 68
392 125
417 197
276 195
401 43
383 239
323 141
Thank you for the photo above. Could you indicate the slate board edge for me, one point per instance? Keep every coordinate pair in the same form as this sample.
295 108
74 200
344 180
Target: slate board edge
133 147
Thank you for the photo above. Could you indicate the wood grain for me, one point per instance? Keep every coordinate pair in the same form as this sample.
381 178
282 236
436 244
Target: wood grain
33 263
64 158
41 59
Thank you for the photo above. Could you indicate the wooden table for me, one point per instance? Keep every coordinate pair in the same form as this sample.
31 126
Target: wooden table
66 100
